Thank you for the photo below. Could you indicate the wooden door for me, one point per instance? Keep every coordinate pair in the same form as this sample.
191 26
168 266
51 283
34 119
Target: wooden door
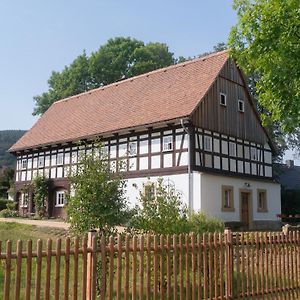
245 210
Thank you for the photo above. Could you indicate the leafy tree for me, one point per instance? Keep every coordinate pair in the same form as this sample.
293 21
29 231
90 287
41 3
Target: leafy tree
119 58
6 179
98 201
265 42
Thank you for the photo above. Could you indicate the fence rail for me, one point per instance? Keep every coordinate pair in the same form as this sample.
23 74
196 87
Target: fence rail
210 266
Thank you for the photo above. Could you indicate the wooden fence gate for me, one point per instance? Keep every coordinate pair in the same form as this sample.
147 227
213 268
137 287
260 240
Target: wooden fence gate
212 266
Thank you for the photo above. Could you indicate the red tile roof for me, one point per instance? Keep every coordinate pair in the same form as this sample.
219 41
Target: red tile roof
161 95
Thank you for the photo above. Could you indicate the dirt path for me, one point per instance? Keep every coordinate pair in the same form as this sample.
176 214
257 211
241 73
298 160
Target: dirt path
41 223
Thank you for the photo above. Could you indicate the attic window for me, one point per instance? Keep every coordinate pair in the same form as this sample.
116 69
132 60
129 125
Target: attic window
241 106
223 99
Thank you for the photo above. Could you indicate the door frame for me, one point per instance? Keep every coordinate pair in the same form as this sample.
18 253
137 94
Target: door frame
250 206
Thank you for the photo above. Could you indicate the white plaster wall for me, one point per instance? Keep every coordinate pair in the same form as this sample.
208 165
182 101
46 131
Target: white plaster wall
211 197
135 185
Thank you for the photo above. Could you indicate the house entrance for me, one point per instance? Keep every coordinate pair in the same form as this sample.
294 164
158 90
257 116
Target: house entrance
245 210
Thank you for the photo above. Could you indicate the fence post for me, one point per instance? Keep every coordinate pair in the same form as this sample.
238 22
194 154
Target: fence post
229 263
91 266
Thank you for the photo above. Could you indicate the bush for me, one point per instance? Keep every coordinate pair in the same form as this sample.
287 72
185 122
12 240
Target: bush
11 205
163 212
200 223
3 203
7 213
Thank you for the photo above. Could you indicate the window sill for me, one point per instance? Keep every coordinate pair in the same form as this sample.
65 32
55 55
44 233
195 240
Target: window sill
229 209
262 210
60 205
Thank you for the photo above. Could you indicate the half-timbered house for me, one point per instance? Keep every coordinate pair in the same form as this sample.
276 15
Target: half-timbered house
193 124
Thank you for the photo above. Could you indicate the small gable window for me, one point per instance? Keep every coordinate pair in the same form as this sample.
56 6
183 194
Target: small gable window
167 143
241 106
223 99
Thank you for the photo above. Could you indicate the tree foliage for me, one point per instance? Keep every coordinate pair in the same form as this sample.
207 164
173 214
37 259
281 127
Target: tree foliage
98 201
119 58
265 42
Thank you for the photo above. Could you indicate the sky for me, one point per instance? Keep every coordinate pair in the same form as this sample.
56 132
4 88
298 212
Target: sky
38 37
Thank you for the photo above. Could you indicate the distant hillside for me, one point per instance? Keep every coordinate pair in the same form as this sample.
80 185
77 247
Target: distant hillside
8 138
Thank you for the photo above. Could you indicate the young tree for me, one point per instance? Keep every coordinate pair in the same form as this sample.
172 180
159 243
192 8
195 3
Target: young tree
41 189
98 201
265 42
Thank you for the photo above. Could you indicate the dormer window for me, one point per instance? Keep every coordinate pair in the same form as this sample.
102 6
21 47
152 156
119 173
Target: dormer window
223 99
167 143
241 106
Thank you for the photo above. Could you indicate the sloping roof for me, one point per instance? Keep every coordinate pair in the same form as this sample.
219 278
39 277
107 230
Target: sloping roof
161 95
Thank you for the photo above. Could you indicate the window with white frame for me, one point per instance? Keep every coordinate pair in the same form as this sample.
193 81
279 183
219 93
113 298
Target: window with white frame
253 153
24 200
223 99
232 149
41 161
60 199
132 148
167 143
241 105
60 159
207 143
24 164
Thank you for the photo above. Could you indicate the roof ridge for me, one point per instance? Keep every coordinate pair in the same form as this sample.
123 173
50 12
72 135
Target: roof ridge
182 64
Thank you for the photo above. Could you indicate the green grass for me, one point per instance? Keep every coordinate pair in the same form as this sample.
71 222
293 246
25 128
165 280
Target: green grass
15 232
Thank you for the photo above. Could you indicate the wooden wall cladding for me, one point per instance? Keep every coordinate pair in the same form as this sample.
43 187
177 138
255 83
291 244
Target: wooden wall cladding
210 114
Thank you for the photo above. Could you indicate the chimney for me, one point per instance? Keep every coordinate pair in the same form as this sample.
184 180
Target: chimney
289 163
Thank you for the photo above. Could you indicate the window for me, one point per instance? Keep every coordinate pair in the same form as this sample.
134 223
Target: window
60 159
262 201
149 190
41 162
207 143
24 164
60 199
167 143
241 106
24 200
253 153
223 99
132 148
227 198
232 149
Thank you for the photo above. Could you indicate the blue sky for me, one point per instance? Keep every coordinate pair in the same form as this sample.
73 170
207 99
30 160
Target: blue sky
40 36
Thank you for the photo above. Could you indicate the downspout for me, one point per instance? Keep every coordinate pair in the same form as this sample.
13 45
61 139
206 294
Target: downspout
190 175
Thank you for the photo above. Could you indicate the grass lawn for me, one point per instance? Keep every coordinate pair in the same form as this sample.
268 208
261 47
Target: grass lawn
15 232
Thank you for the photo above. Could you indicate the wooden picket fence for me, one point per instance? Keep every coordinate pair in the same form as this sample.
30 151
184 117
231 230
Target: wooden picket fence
212 266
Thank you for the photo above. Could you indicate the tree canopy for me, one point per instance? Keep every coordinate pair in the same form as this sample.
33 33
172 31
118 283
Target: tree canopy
266 44
119 58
